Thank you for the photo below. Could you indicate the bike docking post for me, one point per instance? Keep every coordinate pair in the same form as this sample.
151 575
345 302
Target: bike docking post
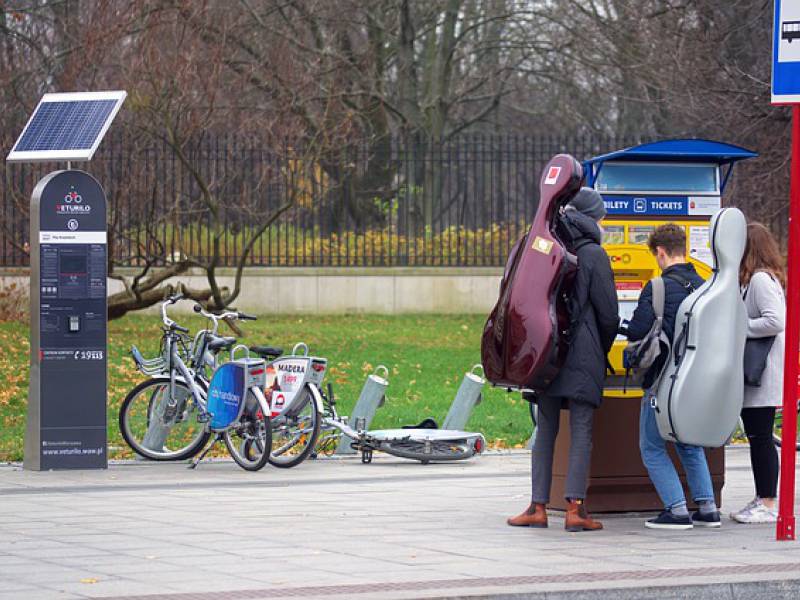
66 422
372 397
159 427
468 396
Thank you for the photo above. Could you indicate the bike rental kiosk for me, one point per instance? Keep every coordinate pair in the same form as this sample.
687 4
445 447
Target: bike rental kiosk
673 181
66 426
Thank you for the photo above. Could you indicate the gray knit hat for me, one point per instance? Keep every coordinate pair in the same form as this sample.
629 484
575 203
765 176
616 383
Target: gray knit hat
589 202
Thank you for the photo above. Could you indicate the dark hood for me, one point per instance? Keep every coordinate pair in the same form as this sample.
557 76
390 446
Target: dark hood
575 227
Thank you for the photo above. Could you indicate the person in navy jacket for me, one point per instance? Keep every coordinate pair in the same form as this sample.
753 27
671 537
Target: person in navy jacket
668 245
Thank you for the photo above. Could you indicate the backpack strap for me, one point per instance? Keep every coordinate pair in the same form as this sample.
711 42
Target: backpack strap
685 282
658 299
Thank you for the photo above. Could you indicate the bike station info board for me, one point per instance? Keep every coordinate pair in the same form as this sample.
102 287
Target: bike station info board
68 370
66 425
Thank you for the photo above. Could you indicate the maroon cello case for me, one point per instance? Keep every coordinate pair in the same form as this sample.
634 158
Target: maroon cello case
522 345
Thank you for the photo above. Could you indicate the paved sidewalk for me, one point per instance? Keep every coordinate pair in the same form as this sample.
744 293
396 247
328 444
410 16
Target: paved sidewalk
339 529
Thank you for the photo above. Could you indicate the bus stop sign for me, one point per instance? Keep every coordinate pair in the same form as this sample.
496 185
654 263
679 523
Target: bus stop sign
786 53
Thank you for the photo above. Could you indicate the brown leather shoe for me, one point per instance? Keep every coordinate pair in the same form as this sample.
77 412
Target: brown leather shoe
534 516
578 519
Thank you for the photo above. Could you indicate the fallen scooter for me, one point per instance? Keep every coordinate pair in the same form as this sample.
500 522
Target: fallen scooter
424 442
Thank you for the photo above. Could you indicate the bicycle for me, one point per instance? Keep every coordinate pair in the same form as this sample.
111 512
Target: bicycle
291 389
421 443
172 415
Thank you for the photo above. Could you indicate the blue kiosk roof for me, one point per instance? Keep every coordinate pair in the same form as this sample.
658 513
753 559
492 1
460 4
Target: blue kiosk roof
678 150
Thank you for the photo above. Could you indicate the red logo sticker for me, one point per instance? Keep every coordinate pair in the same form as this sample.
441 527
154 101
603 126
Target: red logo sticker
552 175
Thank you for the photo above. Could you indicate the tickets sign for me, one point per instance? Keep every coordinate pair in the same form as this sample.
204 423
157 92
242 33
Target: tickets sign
661 206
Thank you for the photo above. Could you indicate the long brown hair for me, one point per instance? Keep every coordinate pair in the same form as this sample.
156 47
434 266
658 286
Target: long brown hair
761 254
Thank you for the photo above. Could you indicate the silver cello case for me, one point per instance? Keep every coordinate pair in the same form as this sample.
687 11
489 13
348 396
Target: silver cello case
701 390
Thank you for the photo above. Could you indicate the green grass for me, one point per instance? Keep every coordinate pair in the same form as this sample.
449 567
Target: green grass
426 355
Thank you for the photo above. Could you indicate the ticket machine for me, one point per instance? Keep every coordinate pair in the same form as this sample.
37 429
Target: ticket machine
673 181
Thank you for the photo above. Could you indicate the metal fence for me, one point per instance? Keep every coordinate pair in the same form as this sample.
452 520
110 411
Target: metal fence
392 202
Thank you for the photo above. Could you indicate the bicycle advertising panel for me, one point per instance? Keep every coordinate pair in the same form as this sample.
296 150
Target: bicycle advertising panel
286 380
226 394
66 426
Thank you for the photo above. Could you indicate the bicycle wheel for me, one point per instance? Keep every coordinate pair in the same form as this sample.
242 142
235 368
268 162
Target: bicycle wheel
434 450
247 441
156 430
294 437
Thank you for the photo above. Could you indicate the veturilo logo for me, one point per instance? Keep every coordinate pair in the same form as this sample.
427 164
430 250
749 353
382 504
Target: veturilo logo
73 204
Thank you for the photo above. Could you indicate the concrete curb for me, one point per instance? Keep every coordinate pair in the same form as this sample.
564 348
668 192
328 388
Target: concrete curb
788 589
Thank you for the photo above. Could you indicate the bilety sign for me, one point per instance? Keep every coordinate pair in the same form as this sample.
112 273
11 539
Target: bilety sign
661 206
786 52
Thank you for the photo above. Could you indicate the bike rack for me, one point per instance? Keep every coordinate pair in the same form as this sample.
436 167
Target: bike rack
469 395
372 397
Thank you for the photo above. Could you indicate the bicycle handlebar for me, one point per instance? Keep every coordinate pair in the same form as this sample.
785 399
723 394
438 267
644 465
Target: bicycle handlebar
217 317
169 323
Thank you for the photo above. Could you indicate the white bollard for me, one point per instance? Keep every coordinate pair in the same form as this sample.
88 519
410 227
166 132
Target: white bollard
372 397
467 398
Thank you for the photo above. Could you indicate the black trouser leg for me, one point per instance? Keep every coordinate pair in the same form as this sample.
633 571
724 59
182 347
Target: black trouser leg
758 424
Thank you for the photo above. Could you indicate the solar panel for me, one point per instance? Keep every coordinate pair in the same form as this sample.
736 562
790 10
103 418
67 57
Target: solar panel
67 127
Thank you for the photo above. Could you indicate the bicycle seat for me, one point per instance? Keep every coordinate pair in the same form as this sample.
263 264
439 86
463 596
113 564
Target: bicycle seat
221 343
266 351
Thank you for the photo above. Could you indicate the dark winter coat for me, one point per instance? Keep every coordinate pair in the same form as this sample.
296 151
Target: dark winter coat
594 313
679 281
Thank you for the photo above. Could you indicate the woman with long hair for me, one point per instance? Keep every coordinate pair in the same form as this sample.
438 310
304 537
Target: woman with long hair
763 278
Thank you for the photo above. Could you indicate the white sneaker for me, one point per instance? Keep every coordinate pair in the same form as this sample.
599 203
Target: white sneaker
752 504
756 514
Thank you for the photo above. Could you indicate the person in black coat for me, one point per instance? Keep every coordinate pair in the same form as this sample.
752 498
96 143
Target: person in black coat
579 384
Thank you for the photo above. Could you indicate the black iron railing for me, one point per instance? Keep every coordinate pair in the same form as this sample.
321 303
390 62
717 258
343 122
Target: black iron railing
391 202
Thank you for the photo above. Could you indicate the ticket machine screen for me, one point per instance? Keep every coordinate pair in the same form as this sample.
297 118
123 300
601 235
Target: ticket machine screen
660 178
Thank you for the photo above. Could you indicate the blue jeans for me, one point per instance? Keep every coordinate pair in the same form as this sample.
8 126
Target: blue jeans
659 465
